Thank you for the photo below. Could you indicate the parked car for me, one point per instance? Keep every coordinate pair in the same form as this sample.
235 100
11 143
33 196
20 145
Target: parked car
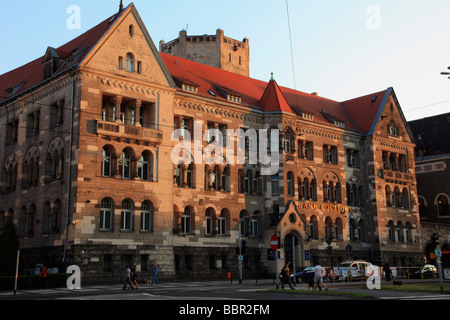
427 271
305 274
360 266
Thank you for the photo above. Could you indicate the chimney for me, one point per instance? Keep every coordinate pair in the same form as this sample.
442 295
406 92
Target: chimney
121 6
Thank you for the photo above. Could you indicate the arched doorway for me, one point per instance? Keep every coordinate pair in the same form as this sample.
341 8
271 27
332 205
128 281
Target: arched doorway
293 250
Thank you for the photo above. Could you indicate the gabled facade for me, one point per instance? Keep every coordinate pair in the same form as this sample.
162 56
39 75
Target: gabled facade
88 172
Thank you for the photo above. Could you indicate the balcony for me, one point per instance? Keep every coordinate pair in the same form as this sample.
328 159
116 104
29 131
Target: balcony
129 132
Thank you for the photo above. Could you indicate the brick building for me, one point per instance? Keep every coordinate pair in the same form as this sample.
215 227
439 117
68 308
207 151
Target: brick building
88 174
433 172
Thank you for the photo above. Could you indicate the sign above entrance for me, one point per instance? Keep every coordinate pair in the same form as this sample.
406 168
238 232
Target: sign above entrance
324 207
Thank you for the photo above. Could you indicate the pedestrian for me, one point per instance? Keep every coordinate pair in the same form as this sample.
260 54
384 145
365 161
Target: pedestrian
155 272
43 278
318 278
134 277
127 276
286 276
387 270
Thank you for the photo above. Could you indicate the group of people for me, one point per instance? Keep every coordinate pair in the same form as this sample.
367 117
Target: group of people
318 278
130 277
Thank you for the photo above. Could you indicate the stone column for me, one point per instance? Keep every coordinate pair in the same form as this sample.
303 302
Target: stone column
138 105
118 105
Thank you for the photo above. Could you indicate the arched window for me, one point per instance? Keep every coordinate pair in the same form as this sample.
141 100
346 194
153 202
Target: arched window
397 198
209 219
409 230
391 231
223 222
337 193
147 216
352 231
241 181
215 178
254 224
389 196
129 62
306 189
131 30
145 166
422 208
126 215
190 174
186 220
226 179
256 184
313 228
244 223
106 162
313 190
55 216
400 232
338 229
328 228
247 182
290 184
106 214
443 206
125 164
405 196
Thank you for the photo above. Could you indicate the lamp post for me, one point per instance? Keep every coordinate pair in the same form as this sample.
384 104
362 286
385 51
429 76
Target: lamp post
445 73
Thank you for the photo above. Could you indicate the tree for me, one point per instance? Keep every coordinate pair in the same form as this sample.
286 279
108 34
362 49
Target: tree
9 244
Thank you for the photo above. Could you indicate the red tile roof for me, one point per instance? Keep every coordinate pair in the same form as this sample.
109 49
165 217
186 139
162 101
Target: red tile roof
364 110
358 114
31 74
255 94
274 100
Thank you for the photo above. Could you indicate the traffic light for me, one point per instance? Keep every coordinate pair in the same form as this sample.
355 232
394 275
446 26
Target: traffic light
434 239
244 247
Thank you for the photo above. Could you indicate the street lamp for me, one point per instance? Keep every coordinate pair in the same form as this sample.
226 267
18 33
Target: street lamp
445 73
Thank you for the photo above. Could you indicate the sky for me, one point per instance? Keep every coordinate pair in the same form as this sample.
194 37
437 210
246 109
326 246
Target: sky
342 49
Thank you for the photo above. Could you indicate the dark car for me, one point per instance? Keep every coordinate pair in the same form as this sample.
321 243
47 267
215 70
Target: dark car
305 274
428 271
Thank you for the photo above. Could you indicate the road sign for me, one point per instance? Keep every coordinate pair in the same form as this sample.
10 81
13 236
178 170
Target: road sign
274 242
438 253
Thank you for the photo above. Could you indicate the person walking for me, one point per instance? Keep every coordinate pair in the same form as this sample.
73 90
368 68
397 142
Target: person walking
286 276
387 270
134 277
155 272
318 278
43 278
127 281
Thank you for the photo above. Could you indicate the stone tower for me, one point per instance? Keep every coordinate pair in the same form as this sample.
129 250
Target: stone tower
214 50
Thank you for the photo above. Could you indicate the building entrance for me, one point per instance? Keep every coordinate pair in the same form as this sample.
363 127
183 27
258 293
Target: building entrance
293 250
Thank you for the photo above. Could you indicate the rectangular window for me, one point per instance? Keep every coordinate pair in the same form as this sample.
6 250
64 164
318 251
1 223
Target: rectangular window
57 114
12 130
125 220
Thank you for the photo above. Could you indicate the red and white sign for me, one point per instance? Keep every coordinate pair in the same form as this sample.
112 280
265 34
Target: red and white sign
274 242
